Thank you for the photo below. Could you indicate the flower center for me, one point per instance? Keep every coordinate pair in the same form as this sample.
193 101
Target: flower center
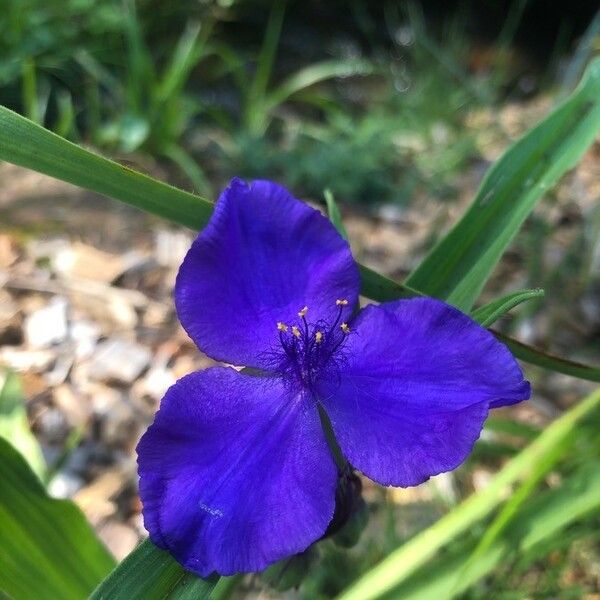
308 349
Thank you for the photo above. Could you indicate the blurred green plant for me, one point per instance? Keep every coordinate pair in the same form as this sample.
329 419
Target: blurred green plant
386 137
47 548
146 109
38 42
14 425
89 71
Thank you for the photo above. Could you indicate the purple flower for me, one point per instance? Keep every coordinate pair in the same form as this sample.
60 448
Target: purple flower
236 472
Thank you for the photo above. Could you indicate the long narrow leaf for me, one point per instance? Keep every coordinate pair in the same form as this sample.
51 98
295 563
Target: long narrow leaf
14 425
548 361
149 573
29 145
381 288
541 523
184 58
47 548
510 510
315 74
490 313
458 267
403 562
333 212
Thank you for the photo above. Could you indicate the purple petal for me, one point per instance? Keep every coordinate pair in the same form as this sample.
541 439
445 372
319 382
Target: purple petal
263 256
414 389
235 473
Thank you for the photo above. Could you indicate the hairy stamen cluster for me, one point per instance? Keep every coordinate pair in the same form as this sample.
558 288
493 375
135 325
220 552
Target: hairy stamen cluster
308 349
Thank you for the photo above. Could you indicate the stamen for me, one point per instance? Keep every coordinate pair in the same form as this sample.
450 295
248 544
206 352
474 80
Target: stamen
311 350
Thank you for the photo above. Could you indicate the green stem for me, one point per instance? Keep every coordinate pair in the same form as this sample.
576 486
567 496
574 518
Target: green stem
340 461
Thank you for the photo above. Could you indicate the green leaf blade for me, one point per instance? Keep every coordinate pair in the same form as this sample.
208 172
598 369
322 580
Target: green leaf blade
47 548
24 143
459 265
150 573
335 216
542 522
491 312
548 361
14 425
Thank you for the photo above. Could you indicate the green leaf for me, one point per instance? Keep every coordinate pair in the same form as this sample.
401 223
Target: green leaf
255 110
47 548
14 424
183 60
511 507
406 560
490 313
510 427
381 288
457 268
317 73
29 145
334 214
548 361
540 525
150 573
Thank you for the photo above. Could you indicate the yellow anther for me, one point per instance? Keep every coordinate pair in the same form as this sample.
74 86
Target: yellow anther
341 302
302 313
296 331
344 327
318 337
282 326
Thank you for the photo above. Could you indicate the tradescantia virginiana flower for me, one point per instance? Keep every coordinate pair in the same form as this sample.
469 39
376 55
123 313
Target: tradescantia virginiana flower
236 471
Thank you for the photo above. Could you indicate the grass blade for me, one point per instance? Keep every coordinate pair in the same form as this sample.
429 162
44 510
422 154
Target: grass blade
316 73
548 361
539 526
334 214
14 425
405 561
29 145
255 110
490 313
184 59
459 265
511 507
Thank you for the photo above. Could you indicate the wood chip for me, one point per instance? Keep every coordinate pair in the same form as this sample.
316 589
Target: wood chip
119 361
48 325
75 409
80 261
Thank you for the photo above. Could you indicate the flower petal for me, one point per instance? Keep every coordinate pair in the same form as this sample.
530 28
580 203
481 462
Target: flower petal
263 256
414 389
235 473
